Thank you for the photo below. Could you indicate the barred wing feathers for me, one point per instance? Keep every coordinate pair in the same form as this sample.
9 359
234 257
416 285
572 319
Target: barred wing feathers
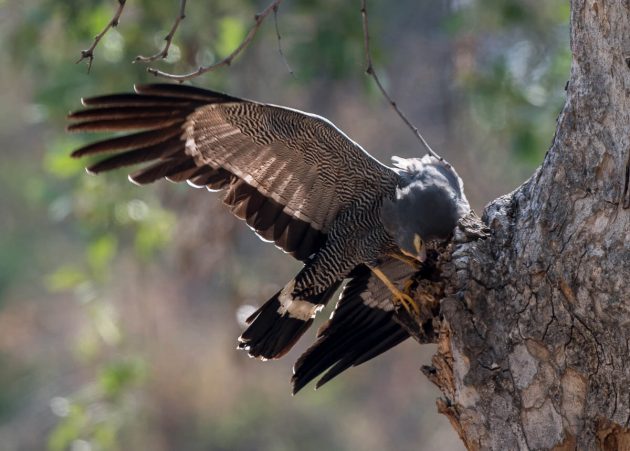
288 174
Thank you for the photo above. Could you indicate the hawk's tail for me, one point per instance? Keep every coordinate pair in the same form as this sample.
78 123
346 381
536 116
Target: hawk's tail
361 327
280 322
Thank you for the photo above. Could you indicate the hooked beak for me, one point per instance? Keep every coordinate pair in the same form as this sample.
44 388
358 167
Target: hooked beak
421 250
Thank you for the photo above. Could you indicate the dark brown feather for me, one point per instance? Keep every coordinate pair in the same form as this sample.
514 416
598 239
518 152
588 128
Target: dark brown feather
268 216
159 170
357 331
124 112
125 123
270 334
161 150
254 204
181 171
141 139
312 239
213 179
293 234
134 100
184 91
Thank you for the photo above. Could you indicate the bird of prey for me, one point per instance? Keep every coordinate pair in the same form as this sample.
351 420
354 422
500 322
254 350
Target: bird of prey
299 182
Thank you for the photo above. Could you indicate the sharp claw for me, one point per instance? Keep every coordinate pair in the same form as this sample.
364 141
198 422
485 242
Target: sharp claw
399 297
407 286
407 302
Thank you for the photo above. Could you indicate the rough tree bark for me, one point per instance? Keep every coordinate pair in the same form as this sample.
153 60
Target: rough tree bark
534 321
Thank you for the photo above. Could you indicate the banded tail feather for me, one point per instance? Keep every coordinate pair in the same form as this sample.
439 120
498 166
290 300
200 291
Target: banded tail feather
280 322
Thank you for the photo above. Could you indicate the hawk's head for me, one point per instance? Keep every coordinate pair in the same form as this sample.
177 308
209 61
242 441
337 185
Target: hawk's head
429 201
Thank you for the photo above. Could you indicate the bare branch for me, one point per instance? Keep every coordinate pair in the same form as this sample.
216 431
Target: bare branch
258 20
279 37
369 69
89 52
169 37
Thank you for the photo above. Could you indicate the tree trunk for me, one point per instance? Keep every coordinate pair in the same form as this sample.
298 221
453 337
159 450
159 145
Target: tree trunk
534 322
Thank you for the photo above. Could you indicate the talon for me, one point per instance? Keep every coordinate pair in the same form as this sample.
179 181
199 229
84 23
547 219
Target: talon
407 286
407 303
399 298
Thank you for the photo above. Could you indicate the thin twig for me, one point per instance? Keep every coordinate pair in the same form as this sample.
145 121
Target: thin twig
258 20
89 52
279 37
369 69
162 54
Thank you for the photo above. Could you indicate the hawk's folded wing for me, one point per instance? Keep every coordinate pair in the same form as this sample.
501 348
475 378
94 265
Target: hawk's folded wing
360 328
287 173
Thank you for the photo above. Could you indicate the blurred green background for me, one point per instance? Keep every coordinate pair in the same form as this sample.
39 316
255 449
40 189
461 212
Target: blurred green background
119 305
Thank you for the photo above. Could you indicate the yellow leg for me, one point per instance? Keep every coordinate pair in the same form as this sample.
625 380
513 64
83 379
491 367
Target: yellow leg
415 264
407 286
399 298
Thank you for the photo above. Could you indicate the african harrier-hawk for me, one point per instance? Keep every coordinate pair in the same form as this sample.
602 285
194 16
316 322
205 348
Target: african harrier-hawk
300 182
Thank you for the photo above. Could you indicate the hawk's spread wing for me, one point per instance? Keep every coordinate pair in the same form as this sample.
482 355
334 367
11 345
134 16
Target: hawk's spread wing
360 328
287 173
